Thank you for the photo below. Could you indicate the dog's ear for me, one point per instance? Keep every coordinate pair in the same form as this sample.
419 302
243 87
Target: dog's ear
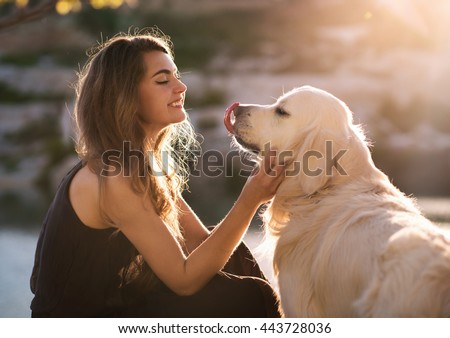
316 161
313 158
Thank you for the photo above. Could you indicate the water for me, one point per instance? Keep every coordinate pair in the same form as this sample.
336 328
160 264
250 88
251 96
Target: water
16 262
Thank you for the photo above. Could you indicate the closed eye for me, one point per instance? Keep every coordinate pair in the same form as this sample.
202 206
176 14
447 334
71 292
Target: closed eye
163 76
281 112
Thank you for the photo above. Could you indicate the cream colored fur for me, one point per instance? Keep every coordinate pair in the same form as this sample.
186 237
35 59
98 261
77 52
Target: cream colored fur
347 244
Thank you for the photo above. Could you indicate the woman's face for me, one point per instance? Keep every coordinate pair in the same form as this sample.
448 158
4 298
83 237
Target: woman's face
161 94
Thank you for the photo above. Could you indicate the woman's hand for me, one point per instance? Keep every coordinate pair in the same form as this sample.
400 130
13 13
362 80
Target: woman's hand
264 181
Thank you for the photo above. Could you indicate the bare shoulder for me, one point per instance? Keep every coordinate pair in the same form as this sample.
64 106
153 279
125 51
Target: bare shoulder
119 200
123 204
84 197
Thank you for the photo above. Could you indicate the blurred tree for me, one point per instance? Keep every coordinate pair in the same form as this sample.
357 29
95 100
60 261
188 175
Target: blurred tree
38 138
15 12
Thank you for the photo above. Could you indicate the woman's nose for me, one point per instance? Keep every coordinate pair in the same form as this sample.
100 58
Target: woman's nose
181 87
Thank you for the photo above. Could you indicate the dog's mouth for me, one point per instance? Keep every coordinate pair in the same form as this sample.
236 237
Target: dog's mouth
229 121
248 146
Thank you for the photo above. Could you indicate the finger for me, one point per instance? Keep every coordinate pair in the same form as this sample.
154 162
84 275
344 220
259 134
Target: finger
255 170
269 161
278 171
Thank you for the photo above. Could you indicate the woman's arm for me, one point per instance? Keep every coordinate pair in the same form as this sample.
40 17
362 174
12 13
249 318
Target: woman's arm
185 274
194 231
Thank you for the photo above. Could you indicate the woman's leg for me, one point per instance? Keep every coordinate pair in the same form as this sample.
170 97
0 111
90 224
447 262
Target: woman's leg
225 296
239 290
242 263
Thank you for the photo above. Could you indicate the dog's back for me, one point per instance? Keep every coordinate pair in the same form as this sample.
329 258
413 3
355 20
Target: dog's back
413 276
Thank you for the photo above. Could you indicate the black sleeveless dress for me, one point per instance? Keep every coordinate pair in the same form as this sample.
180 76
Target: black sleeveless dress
78 273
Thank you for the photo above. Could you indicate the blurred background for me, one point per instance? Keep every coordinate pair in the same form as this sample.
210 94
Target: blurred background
388 60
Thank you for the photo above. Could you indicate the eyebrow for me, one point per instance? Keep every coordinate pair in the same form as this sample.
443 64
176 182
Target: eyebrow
163 71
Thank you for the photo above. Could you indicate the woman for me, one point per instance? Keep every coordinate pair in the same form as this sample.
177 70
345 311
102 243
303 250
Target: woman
118 239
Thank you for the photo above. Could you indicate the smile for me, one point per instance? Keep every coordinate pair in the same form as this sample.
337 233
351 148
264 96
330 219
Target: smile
176 104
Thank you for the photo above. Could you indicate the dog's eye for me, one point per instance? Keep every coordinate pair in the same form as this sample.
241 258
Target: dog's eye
282 112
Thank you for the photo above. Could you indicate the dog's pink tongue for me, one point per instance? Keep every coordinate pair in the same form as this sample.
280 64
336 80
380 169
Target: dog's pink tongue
227 117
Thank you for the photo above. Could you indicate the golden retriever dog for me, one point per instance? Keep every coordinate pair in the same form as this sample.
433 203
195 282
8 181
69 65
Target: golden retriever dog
348 243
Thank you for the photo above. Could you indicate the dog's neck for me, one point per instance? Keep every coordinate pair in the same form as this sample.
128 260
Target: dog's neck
290 195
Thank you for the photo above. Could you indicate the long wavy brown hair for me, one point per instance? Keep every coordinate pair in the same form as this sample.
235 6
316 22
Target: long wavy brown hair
106 115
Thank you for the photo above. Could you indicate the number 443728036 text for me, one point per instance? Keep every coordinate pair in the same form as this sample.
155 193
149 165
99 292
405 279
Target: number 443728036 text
295 328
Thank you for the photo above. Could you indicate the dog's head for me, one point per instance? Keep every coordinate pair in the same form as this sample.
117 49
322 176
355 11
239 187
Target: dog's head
311 130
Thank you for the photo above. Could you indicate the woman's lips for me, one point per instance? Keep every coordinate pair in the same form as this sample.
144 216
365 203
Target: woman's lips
176 104
227 117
